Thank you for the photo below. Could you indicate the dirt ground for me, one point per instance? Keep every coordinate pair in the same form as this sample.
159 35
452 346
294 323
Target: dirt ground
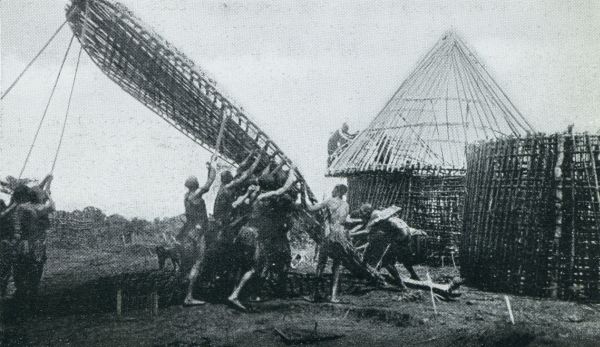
373 318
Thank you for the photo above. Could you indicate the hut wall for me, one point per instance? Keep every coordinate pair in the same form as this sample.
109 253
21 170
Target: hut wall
532 220
431 203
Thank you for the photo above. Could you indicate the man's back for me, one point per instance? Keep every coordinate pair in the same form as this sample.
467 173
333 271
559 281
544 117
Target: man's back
222 210
195 208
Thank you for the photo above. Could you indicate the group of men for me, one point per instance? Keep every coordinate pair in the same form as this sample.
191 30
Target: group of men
252 215
253 212
23 226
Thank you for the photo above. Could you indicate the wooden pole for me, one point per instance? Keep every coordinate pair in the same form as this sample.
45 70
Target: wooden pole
453 262
431 292
225 117
382 255
510 312
154 303
119 303
558 176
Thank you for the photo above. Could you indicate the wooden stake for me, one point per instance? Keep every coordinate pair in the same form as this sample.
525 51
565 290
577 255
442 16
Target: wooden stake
382 255
431 292
510 313
453 262
154 303
119 303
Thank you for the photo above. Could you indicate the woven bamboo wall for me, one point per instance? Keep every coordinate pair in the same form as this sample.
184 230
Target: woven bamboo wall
433 203
532 220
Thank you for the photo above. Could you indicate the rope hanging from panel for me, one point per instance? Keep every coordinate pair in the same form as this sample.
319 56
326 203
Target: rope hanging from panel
37 55
37 132
62 133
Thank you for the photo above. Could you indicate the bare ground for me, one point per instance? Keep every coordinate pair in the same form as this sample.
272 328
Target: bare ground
372 318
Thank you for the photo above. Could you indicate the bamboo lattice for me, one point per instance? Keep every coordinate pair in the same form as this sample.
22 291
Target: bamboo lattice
448 101
532 216
168 83
432 203
412 153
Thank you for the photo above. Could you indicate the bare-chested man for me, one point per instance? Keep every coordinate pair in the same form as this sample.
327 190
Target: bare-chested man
258 239
192 235
391 240
229 191
31 221
7 249
335 234
220 256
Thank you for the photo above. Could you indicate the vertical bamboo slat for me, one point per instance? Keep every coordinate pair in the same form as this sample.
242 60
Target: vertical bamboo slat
532 216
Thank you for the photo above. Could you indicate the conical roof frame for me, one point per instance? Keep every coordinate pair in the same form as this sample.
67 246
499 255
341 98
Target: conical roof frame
447 101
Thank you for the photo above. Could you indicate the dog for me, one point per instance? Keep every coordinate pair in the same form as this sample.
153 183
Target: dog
168 253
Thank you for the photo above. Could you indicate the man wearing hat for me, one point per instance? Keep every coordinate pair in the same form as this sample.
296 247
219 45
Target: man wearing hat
390 241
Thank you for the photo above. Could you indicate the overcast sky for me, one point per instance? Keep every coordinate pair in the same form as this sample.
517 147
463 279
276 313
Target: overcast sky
300 68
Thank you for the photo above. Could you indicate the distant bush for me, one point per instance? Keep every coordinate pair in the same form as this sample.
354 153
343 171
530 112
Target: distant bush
91 228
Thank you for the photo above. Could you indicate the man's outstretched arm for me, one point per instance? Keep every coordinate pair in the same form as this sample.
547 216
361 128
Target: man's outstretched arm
46 182
244 176
212 174
244 164
288 184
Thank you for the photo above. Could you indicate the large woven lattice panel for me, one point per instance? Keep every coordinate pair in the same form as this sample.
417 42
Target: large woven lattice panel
432 203
532 216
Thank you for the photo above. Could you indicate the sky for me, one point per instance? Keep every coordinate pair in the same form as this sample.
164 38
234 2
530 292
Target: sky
299 69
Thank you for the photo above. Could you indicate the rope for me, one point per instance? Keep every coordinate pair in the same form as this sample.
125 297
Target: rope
47 106
35 58
62 133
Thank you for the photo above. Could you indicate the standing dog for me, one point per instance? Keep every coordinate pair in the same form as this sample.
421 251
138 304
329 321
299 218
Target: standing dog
172 254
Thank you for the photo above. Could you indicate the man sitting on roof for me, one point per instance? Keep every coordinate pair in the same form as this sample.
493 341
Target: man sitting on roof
339 138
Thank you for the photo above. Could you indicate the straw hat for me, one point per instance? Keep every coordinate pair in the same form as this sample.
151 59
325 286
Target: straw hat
379 215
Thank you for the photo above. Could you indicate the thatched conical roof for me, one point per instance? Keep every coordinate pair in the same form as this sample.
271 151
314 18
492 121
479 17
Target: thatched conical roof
447 101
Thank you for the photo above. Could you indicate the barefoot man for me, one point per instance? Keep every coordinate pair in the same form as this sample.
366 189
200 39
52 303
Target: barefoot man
257 239
335 234
192 235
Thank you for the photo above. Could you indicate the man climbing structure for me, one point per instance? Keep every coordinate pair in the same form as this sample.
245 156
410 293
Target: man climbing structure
339 139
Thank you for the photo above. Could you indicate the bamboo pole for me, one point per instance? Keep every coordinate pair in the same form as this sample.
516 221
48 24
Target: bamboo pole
558 177
119 303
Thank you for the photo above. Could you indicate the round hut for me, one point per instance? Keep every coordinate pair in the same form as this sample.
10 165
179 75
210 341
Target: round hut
532 216
412 154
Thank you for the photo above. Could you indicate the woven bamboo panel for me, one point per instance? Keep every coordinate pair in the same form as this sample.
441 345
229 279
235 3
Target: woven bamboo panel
532 216
167 82
430 202
163 79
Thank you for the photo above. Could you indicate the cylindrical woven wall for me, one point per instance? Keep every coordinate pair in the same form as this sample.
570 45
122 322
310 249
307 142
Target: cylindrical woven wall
432 203
532 216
